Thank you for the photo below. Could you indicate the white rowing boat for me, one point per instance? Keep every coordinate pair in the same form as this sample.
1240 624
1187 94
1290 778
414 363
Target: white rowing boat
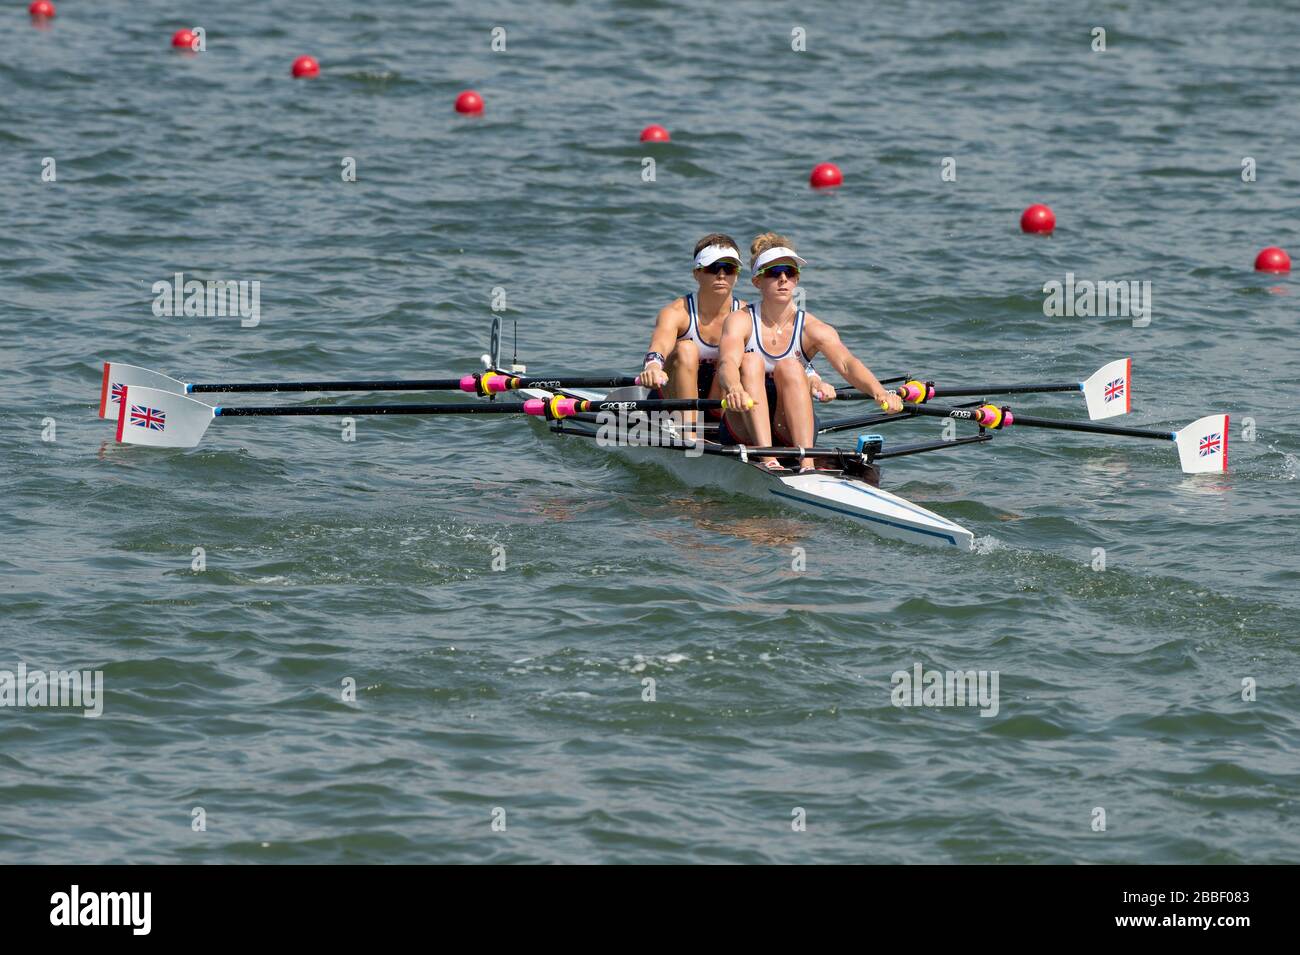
847 492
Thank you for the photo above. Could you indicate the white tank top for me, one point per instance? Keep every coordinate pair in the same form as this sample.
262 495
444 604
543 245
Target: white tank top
794 349
707 352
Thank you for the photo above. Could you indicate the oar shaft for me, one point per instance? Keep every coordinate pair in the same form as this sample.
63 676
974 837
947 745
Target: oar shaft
651 404
1092 428
504 407
552 408
561 381
464 383
414 384
976 391
866 421
981 416
966 391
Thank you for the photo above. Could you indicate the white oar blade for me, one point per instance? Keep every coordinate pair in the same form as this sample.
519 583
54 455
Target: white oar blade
117 376
161 419
1203 445
1109 392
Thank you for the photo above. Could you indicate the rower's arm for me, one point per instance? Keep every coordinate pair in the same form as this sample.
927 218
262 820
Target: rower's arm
826 340
731 348
671 322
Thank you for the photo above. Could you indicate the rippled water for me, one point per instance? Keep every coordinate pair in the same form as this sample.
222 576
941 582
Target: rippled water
517 695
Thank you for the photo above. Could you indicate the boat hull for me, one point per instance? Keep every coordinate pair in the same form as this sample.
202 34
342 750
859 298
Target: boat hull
832 495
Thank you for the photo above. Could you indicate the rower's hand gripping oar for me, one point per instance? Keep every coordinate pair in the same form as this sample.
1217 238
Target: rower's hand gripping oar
1107 391
164 419
1202 445
118 376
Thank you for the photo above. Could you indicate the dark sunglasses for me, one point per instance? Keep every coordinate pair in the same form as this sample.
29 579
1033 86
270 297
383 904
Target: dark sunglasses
776 271
721 268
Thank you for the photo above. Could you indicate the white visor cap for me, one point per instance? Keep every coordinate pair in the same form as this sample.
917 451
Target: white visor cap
771 255
712 253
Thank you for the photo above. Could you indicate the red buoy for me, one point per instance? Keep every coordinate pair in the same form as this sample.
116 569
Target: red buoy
1272 259
1039 219
469 102
183 39
41 8
655 133
306 67
826 175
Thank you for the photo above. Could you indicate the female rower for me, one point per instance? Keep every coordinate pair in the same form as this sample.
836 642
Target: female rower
684 346
764 354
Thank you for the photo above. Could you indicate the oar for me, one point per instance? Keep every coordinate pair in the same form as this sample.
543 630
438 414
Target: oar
879 417
118 376
1107 391
1202 445
165 419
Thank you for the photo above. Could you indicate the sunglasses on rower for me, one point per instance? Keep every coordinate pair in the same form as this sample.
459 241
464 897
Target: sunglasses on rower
721 268
776 271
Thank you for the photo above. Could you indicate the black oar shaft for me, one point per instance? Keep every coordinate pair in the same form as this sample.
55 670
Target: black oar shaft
975 391
560 381
652 404
1092 428
415 384
468 407
503 407
970 391
412 384
972 414
867 421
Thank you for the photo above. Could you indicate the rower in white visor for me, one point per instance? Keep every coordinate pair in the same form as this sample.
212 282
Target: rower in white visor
764 355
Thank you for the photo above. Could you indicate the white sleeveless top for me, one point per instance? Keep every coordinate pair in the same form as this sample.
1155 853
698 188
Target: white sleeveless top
707 352
794 349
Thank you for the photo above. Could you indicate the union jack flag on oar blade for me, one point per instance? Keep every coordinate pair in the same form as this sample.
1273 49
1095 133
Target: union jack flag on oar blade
1203 444
1109 391
162 419
118 376
155 419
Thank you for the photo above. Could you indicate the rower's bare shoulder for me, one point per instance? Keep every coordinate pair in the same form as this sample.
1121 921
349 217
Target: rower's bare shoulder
736 324
814 327
674 311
